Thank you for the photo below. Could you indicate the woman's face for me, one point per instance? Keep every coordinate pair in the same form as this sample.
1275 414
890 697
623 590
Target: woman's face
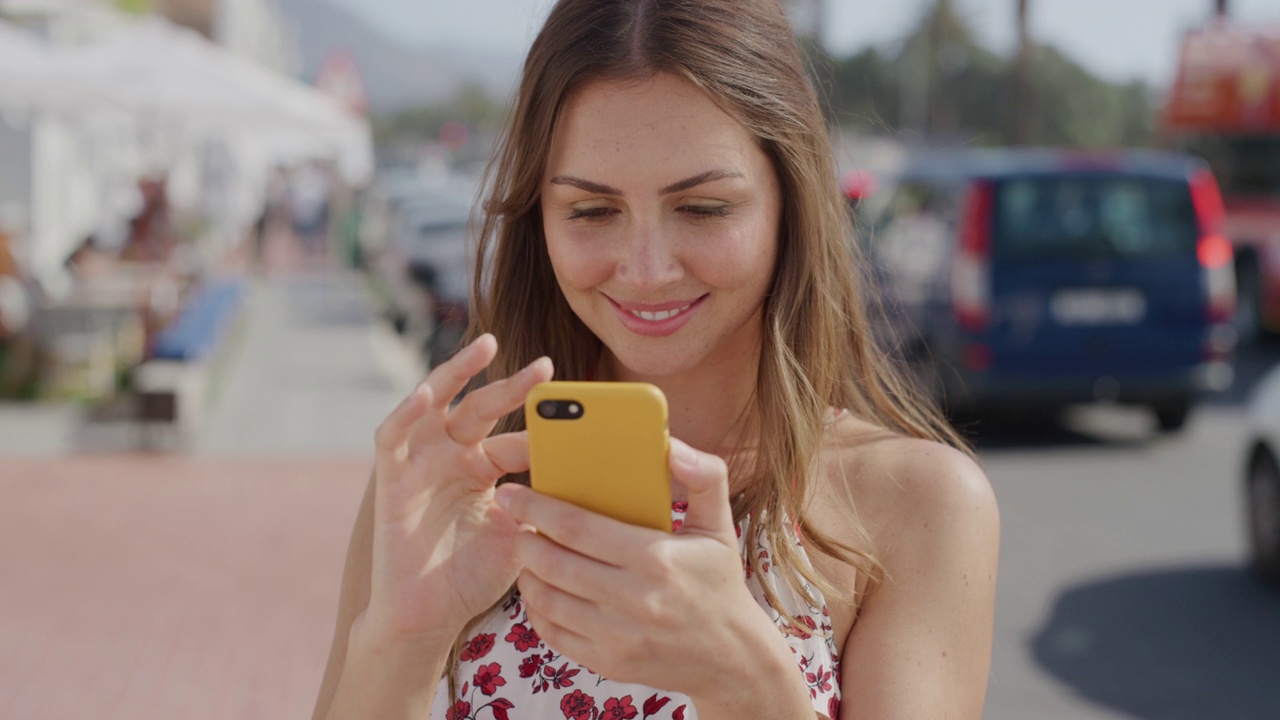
661 217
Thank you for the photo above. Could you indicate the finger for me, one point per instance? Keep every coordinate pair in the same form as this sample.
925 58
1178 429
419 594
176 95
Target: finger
587 533
508 452
555 605
394 431
560 638
565 570
479 411
448 379
706 478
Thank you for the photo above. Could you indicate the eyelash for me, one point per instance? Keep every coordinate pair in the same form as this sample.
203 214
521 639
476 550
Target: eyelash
696 211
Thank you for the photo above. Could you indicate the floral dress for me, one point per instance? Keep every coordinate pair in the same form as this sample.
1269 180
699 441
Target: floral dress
506 672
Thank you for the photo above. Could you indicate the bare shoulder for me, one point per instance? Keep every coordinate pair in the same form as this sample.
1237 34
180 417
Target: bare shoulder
907 492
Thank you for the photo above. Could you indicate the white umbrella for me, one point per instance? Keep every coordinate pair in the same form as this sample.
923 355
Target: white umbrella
31 81
175 77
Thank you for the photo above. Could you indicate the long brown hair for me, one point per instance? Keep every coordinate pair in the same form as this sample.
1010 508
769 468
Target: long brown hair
819 350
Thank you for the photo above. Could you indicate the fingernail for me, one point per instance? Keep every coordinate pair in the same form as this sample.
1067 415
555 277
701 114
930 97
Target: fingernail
502 496
530 369
684 454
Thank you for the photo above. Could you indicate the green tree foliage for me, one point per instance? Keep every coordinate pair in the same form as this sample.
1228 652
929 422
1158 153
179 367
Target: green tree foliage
940 84
471 105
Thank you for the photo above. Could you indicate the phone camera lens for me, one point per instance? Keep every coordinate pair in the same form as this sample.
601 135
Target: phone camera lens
575 410
547 409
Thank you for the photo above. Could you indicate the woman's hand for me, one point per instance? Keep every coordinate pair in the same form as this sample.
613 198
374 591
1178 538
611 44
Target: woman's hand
669 611
442 551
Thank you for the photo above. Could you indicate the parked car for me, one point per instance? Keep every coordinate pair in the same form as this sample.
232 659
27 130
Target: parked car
1262 479
421 274
1033 279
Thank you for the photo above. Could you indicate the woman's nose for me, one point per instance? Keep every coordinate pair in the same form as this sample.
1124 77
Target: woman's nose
648 260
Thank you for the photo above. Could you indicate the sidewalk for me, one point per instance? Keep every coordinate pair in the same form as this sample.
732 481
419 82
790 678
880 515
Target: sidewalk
316 373
158 589
200 584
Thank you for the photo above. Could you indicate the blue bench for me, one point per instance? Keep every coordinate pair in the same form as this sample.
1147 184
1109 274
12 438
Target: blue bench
202 323
172 385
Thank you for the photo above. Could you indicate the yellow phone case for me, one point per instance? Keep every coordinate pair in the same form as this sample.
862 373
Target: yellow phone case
610 459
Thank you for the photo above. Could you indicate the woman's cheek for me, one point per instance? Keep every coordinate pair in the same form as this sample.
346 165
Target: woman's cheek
729 256
581 262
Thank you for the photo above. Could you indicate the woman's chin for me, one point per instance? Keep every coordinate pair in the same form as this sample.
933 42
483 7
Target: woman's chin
650 365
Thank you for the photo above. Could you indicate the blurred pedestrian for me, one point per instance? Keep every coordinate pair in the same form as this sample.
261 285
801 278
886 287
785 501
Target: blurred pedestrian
309 209
17 300
664 208
151 233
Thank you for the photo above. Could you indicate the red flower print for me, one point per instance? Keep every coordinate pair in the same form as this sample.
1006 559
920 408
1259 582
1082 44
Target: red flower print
478 647
676 524
561 678
680 506
500 708
461 710
579 706
678 714
530 666
654 704
833 708
524 638
489 678
806 621
819 681
618 709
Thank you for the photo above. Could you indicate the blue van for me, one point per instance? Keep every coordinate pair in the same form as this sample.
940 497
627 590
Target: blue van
1033 279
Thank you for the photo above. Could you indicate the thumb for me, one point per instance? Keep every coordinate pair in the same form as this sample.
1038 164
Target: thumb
707 479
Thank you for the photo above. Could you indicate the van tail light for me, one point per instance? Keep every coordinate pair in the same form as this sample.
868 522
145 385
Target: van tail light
971 271
1213 249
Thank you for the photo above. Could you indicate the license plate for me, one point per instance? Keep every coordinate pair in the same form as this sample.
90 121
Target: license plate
1098 307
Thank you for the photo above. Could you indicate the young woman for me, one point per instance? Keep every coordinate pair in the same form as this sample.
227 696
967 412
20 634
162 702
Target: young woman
664 209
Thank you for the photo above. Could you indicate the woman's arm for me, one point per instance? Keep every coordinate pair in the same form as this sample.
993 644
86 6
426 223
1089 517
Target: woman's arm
352 599
430 550
378 678
921 645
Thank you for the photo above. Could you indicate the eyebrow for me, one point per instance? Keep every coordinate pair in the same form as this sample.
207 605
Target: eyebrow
690 182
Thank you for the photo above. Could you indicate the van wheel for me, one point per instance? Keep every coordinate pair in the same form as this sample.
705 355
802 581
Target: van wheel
1263 496
1171 417
1248 317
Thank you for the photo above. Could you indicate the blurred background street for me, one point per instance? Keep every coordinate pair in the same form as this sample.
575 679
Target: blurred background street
232 238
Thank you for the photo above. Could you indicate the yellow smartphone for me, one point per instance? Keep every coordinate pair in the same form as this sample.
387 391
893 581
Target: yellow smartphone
602 446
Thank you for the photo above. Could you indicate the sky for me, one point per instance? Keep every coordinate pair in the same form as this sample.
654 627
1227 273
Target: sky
1118 39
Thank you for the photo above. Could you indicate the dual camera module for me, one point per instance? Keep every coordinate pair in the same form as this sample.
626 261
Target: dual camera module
560 409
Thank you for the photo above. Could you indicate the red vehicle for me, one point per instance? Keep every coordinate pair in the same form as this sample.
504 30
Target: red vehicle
1225 106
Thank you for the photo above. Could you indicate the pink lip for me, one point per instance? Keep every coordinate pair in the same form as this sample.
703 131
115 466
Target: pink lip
655 328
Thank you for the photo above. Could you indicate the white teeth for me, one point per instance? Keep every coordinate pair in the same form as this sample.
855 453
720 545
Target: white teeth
660 315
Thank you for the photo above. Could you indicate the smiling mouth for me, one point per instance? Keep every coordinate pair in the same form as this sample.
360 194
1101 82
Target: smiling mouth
660 314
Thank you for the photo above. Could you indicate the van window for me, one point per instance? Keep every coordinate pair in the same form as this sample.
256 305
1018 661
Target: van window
1091 216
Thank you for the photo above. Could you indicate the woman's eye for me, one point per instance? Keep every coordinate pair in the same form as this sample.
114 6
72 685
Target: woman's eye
595 213
705 211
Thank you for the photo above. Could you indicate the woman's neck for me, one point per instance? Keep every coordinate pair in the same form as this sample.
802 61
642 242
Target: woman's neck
709 406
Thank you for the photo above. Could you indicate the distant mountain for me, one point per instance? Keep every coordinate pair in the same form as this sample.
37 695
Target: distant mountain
395 76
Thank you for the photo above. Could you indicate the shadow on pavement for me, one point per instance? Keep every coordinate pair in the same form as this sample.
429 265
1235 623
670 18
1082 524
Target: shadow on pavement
1197 642
1100 426
1117 429
323 300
